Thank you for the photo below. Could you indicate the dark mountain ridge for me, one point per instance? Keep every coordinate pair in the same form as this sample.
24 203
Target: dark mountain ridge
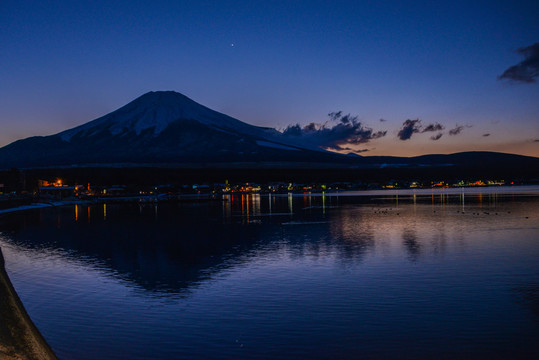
167 129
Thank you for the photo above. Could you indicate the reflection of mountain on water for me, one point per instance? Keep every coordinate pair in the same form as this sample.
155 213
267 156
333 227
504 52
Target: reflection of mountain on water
169 248
413 247
176 249
159 254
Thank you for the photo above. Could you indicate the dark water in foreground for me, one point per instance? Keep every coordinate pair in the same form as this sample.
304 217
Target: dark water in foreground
434 275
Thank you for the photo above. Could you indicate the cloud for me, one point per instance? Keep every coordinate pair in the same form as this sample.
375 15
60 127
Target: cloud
536 140
335 115
433 127
409 127
457 130
487 134
355 151
436 137
348 130
528 69
383 120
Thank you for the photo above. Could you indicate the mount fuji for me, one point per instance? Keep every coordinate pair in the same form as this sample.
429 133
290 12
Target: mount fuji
167 129
163 127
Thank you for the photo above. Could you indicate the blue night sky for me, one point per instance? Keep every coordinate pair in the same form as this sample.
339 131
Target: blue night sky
276 63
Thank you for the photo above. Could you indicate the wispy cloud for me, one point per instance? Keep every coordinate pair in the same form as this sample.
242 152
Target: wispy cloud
409 127
433 127
487 134
457 130
348 130
436 137
356 151
527 70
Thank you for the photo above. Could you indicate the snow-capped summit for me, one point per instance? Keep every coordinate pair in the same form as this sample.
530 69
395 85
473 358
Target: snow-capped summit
155 111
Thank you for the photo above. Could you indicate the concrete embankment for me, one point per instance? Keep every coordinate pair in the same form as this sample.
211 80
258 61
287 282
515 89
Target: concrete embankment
19 337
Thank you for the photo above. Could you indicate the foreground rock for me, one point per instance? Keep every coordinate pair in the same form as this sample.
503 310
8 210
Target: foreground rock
19 337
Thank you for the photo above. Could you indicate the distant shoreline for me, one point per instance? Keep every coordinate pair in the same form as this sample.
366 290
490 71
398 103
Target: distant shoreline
499 190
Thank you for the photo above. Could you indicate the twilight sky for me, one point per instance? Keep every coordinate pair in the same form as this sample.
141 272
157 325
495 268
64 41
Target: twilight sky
435 78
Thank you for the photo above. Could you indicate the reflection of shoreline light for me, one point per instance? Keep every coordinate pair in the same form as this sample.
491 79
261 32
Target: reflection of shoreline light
256 203
290 203
227 206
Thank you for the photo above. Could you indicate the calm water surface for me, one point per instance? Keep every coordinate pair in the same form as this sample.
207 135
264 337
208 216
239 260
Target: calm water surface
425 274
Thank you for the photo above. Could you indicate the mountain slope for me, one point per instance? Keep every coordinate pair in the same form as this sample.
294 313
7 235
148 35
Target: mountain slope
159 127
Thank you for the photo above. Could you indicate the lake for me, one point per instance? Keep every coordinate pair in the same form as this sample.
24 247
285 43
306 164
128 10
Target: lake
448 273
